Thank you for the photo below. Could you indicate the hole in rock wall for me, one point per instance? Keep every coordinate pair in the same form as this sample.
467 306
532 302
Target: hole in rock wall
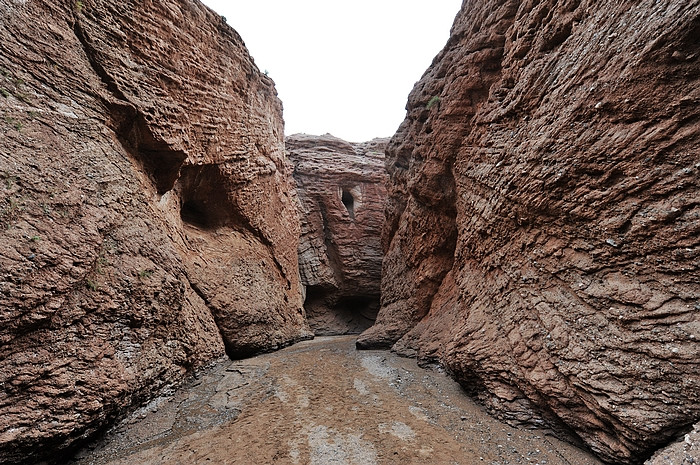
331 315
204 197
159 160
194 213
349 202
691 41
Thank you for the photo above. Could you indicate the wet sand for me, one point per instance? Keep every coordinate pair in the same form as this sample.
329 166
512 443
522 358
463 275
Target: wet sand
322 402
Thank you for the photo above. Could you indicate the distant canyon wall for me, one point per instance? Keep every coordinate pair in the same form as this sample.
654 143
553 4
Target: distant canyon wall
543 222
342 193
147 213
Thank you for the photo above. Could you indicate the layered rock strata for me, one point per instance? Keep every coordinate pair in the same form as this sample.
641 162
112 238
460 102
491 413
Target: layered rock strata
341 188
544 218
148 222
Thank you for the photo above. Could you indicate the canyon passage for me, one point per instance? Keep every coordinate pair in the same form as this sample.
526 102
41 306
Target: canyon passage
532 228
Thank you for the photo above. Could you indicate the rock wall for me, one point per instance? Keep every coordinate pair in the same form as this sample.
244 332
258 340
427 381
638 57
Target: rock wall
341 188
543 224
146 209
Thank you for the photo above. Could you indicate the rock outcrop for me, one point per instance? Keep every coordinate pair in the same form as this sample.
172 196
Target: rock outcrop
147 211
544 218
342 192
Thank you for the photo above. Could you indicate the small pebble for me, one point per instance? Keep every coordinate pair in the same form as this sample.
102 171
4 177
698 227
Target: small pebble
678 56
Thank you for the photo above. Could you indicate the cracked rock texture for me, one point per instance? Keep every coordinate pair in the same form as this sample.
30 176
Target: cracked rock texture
148 221
543 222
341 188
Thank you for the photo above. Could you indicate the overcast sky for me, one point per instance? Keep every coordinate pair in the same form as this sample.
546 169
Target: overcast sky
342 67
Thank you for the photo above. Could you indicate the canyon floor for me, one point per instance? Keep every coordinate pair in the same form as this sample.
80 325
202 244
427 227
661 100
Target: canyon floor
322 402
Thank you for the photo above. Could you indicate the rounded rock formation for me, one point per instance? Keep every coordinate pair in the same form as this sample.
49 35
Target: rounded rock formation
145 209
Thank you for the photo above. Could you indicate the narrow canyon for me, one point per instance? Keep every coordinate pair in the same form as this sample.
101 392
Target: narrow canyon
179 283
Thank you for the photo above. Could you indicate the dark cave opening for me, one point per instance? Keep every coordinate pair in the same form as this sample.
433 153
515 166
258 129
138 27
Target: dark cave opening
159 160
194 213
349 202
204 197
331 315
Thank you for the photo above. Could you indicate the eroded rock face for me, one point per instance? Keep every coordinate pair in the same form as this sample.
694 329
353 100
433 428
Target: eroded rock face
341 187
147 213
544 218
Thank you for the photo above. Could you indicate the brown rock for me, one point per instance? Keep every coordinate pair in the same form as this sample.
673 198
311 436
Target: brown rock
144 196
341 188
544 218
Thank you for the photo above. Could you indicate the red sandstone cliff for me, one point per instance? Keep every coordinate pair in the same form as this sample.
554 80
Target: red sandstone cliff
543 231
341 187
146 210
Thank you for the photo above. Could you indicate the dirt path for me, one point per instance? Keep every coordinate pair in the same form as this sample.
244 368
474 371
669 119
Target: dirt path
321 402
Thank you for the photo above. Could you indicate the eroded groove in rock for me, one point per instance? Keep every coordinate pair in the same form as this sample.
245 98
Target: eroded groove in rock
159 160
572 298
114 256
342 195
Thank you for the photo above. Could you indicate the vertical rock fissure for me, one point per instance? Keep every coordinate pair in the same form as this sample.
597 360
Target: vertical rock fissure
335 261
202 295
349 202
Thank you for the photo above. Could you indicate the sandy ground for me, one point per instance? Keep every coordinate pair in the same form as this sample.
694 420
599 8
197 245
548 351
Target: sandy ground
322 402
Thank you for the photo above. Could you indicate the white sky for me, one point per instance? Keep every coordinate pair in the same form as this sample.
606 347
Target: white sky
342 67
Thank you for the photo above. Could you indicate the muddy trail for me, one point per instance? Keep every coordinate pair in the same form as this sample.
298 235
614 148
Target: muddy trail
322 402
